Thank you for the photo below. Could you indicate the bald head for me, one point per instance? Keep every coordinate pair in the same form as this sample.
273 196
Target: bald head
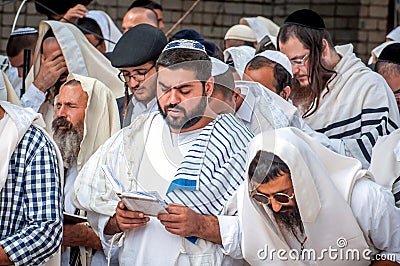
139 15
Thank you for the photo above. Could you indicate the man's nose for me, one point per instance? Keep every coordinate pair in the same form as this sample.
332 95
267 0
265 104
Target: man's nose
276 207
174 96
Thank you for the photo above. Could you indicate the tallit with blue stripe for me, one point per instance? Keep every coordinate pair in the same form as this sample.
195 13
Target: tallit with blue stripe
213 168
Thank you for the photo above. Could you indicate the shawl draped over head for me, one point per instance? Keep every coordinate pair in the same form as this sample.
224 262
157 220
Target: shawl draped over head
322 182
101 116
108 28
82 58
240 55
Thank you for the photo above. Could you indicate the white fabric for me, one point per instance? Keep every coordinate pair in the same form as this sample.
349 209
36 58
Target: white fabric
101 117
356 116
17 123
373 206
33 98
385 163
394 34
323 191
7 93
218 67
261 27
108 28
262 109
81 58
376 52
385 160
139 108
144 158
240 55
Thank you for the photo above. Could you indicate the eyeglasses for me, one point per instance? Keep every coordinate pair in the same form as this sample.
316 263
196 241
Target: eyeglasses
299 61
137 75
280 198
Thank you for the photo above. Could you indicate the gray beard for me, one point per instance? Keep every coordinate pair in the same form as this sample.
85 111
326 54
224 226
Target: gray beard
68 141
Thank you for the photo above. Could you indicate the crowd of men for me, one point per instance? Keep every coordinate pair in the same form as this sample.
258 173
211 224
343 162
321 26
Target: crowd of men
277 148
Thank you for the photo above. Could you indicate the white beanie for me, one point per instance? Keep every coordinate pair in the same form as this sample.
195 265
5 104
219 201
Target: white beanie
240 32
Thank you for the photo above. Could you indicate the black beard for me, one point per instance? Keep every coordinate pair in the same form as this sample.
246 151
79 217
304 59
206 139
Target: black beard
68 140
187 122
289 217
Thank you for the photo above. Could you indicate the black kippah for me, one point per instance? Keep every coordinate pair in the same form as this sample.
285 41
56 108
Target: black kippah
391 54
137 46
306 18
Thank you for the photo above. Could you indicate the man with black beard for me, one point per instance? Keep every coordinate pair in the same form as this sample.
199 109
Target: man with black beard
324 93
82 103
194 161
311 205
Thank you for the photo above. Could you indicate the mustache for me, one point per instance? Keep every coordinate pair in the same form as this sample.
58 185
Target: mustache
174 106
61 122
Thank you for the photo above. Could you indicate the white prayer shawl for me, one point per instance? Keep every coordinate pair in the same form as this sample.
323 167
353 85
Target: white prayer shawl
108 28
385 163
270 111
322 182
82 58
358 108
240 55
18 121
101 117
211 172
124 151
219 172
7 93
261 27
376 52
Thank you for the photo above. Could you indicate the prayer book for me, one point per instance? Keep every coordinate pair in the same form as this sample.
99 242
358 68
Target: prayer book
150 203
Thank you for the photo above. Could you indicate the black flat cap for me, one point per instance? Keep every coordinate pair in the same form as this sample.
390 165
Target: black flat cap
306 18
137 46
391 54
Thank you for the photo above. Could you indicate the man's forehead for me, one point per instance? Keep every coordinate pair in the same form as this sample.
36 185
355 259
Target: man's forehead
175 76
72 92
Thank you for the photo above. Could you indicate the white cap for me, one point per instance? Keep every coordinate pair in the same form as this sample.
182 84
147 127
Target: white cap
186 44
240 32
24 31
394 34
218 67
279 58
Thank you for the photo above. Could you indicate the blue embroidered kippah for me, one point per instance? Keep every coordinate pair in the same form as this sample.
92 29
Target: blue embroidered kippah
186 44
24 31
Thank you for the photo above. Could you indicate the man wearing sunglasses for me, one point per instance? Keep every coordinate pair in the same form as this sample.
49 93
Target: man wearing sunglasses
310 204
135 55
335 92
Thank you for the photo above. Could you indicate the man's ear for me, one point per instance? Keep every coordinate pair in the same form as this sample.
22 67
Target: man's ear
236 94
326 48
209 86
285 93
